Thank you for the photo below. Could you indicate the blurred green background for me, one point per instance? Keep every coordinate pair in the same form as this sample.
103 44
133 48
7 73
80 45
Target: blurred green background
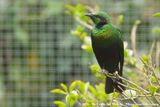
37 51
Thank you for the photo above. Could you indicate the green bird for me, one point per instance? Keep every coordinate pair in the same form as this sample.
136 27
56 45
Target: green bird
108 48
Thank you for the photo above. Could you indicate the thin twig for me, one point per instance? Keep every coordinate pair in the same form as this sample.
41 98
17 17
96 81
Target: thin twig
155 76
129 98
151 69
140 88
157 53
145 92
119 77
112 101
90 9
133 38
152 48
83 23
158 95
153 73
128 87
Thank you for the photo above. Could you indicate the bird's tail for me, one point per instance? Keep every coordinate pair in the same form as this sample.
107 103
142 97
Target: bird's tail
111 84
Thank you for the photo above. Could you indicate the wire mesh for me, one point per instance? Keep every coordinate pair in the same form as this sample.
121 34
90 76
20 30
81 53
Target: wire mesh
37 51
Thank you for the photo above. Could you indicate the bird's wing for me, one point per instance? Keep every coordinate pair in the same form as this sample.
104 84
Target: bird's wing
121 57
120 52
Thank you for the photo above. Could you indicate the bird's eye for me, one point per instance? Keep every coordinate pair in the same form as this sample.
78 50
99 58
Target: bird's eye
103 21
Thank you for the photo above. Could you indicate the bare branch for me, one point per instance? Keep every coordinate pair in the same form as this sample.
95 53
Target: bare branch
83 23
133 37
158 54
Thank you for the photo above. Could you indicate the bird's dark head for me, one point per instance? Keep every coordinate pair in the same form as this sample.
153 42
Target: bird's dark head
100 18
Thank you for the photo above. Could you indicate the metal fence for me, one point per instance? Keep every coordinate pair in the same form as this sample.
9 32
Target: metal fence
37 51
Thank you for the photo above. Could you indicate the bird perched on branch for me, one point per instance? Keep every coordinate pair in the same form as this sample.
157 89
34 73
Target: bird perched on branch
108 48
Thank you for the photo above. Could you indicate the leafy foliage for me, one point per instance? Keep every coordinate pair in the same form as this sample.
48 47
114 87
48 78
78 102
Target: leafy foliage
157 14
142 83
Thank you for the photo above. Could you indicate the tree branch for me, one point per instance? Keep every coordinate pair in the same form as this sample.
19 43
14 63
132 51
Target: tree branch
83 23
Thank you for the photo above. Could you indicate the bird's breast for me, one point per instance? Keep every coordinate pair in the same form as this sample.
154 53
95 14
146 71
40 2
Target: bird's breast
103 41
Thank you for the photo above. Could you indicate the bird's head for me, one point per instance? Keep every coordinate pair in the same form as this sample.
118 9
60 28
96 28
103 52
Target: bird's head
100 18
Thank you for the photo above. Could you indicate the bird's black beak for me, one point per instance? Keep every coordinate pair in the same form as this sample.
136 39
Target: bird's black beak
90 15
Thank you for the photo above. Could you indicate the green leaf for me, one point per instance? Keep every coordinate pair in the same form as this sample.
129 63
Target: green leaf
60 103
157 14
80 33
75 32
125 53
78 83
120 19
128 53
153 79
64 87
100 87
156 69
74 92
81 86
134 105
115 104
87 40
156 30
80 28
152 89
70 7
115 94
92 89
145 58
86 87
59 91
83 35
72 98
87 48
95 68
80 10
130 93
73 85
101 96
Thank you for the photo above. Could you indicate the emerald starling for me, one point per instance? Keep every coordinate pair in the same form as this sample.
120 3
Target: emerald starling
108 48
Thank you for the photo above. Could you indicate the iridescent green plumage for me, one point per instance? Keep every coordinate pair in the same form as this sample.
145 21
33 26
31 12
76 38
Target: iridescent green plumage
108 48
